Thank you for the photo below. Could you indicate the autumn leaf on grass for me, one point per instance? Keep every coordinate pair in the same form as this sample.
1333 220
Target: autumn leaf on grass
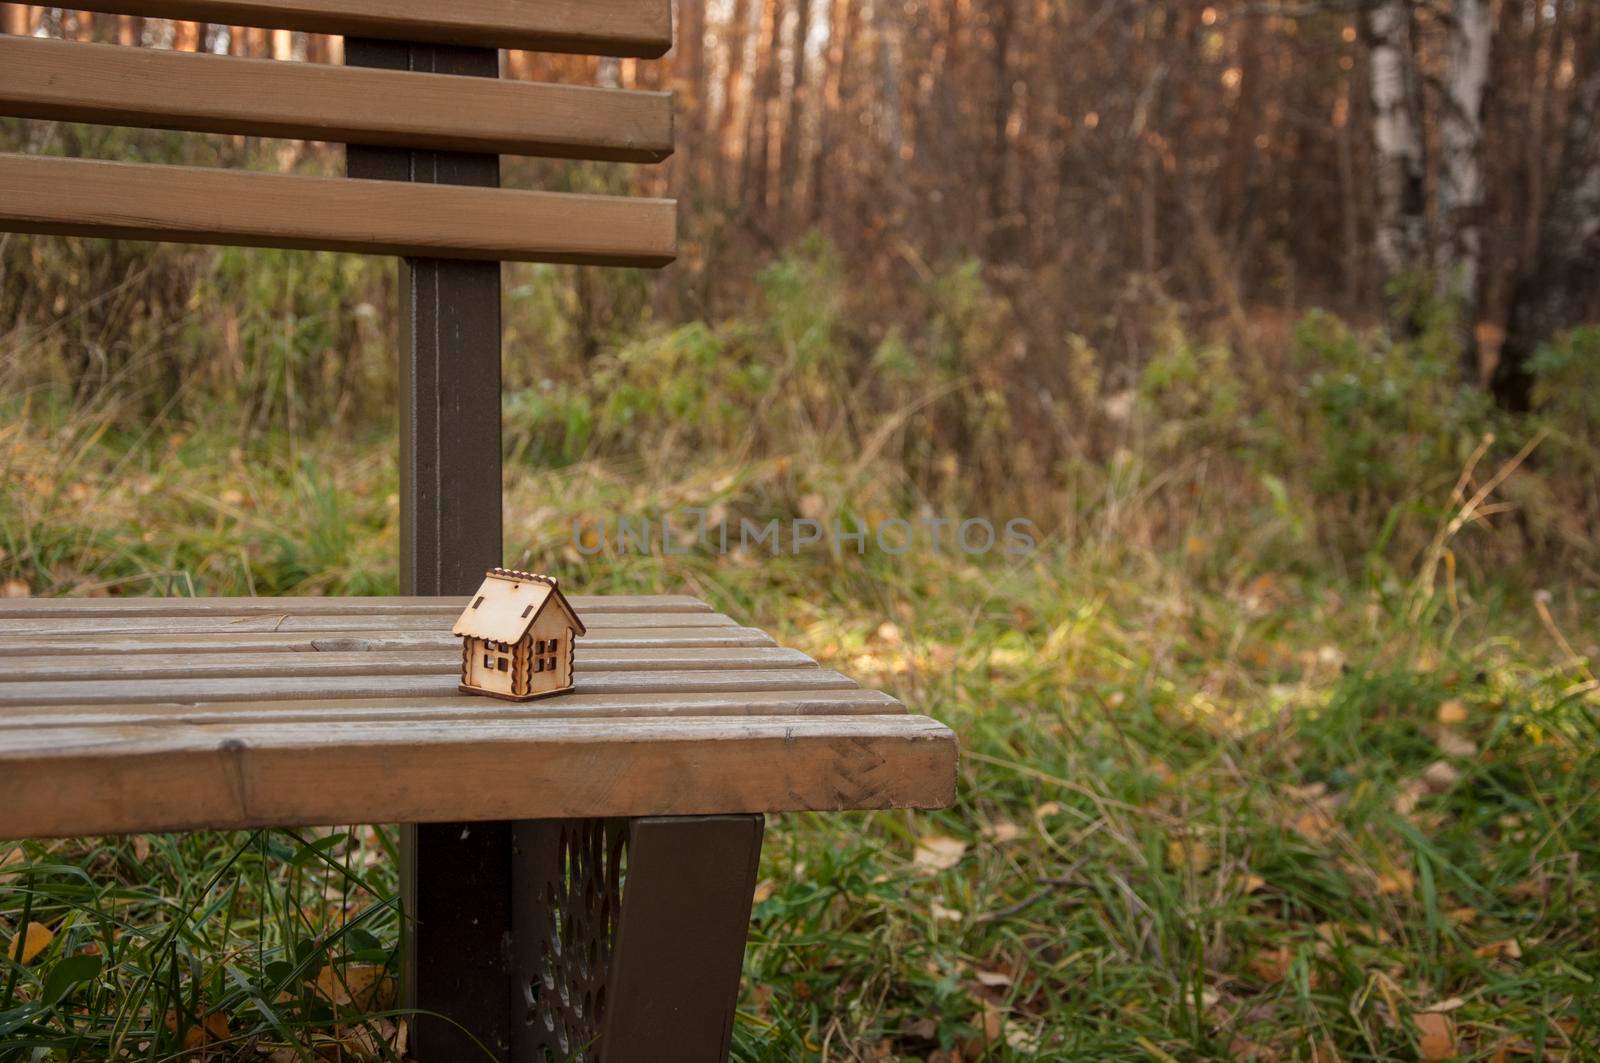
1272 966
1509 948
363 986
1001 831
1436 1035
937 852
1187 855
14 856
27 945
1452 712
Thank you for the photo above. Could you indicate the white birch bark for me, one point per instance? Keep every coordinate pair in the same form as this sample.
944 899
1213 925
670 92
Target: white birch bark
1397 136
1461 179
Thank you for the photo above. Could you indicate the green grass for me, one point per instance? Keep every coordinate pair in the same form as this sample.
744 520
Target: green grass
1207 808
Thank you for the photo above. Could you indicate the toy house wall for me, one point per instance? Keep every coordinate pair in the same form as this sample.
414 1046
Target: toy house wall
551 624
476 674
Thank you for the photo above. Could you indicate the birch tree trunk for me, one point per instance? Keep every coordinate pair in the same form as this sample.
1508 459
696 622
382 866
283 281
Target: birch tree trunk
1397 137
1461 181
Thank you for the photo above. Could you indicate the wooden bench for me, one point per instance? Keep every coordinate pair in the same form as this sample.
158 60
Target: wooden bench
577 873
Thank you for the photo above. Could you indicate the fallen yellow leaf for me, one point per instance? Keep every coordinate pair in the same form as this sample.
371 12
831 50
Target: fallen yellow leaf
1399 881
1462 916
15 588
1002 831
764 889
1443 1006
1271 967
1452 711
1454 744
27 945
1314 824
1188 855
1509 948
1440 776
1436 1035
14 856
362 986
216 1024
937 852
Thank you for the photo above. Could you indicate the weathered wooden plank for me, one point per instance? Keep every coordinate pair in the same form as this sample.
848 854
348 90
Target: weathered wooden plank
638 28
445 661
186 204
155 88
154 625
172 777
255 688
357 640
231 608
836 702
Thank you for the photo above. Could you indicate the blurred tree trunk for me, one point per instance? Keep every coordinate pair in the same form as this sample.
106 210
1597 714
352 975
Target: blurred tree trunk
789 166
889 73
689 85
842 19
732 82
1001 19
1461 184
1401 162
760 127
1562 282
16 19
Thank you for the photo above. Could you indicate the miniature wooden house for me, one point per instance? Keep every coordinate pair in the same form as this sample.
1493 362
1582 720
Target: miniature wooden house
519 635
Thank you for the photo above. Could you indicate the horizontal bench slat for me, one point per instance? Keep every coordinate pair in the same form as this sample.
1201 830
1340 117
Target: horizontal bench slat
148 87
663 639
34 608
186 204
442 660
90 628
255 688
172 777
639 28
853 701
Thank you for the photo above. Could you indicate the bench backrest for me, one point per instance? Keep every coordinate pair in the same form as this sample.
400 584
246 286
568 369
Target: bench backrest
115 85
425 119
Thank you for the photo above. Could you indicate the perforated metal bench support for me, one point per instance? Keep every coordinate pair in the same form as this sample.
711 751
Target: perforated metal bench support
629 936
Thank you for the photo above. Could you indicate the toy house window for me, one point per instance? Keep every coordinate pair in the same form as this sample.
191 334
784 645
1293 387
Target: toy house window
504 665
538 665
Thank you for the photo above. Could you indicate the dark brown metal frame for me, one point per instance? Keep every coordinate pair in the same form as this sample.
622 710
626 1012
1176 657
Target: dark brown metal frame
589 939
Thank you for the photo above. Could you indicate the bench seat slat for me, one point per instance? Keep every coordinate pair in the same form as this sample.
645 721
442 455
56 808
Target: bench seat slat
106 691
185 625
665 640
186 204
835 702
154 88
170 777
84 608
442 660
635 28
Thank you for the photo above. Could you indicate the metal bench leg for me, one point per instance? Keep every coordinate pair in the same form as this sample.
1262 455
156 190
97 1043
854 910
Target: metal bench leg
630 936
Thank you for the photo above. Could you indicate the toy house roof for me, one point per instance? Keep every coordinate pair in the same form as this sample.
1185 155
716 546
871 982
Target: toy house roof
507 604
